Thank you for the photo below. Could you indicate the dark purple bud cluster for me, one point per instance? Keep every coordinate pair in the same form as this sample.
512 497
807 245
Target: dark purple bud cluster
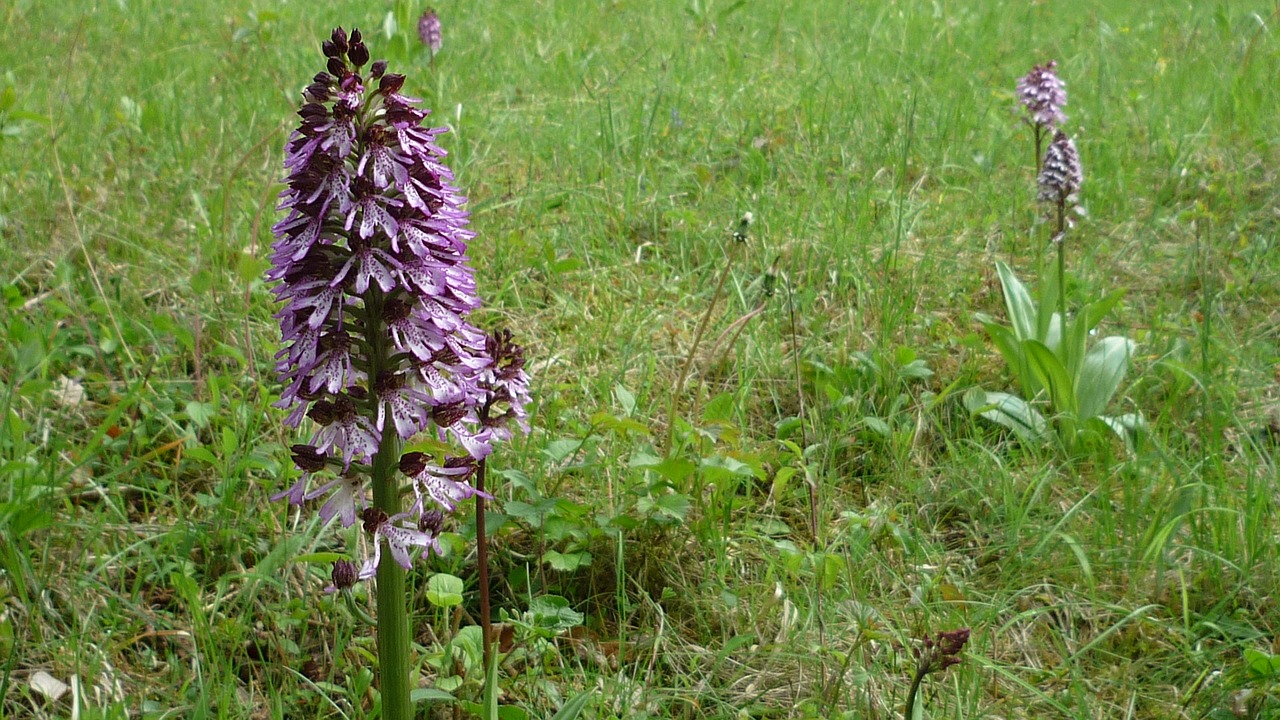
941 652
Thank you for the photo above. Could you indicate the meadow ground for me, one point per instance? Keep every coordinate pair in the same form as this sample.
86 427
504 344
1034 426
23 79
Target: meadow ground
609 149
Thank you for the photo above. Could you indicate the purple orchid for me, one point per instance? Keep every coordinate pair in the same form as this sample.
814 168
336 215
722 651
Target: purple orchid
1044 95
429 30
370 266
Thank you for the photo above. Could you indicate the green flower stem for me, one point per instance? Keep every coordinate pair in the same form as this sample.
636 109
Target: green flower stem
393 616
482 560
911 694
1039 142
1062 272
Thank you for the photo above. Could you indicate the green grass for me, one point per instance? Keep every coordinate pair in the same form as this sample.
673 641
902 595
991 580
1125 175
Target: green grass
608 150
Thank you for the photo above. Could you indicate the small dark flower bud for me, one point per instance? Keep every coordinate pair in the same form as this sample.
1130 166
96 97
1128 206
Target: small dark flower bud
952 642
377 69
313 113
387 383
431 521
323 412
344 408
329 49
339 38
412 463
391 83
395 310
308 459
358 392
356 37
316 92
358 54
336 67
374 518
449 414
345 574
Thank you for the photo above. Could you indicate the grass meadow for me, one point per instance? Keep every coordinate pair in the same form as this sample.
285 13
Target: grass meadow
667 562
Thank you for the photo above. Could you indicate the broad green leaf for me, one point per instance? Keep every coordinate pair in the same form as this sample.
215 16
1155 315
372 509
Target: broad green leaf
1129 427
1094 312
200 413
1104 367
1009 411
1262 665
673 505
623 426
1047 320
469 642
1011 349
878 426
444 590
1022 309
320 558
1072 353
1050 372
719 408
557 451
552 612
566 562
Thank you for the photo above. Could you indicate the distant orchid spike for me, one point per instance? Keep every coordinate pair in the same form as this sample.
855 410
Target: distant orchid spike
429 30
1061 174
1044 95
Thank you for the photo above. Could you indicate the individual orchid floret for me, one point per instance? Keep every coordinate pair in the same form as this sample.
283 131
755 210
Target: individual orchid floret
309 461
346 493
444 485
344 427
1061 174
344 576
1043 94
401 540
